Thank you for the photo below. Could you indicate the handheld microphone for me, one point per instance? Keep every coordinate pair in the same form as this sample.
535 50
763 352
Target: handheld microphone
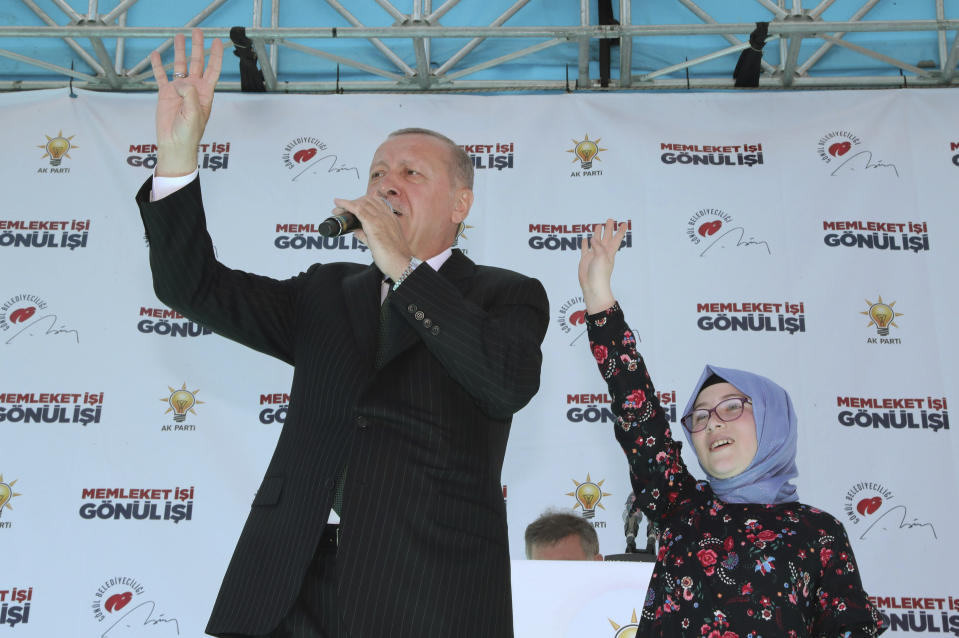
336 225
345 222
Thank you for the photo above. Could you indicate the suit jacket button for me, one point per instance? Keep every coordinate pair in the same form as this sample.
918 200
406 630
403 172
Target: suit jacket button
427 323
411 307
361 422
419 315
435 330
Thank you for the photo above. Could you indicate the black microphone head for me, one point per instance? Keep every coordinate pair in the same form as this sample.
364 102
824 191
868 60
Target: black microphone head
337 225
330 227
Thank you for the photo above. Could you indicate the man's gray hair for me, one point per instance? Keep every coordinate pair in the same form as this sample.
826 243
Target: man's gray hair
462 165
552 527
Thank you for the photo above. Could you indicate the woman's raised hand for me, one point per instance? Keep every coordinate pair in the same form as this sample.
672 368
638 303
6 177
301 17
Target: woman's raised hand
596 265
184 103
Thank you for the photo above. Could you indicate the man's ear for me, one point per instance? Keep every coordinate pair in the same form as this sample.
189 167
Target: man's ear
462 202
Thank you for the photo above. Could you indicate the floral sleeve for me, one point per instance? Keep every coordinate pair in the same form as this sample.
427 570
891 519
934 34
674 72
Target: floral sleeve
844 610
657 472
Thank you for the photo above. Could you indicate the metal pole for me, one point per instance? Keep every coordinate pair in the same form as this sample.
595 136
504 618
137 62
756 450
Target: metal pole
705 17
690 63
777 11
67 9
393 11
48 66
274 48
941 15
269 75
625 45
506 58
400 64
197 19
341 60
73 44
472 44
583 80
821 51
950 69
818 11
121 46
877 56
119 10
439 13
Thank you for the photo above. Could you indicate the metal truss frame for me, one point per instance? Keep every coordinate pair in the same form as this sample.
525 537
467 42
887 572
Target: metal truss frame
789 26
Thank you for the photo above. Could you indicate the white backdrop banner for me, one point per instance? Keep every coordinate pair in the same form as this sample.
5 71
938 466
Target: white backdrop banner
810 237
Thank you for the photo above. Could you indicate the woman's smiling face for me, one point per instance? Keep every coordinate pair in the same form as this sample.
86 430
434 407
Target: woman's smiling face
725 448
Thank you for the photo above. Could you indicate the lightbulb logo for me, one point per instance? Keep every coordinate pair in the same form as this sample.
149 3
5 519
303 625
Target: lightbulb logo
57 148
6 495
625 631
588 495
881 315
585 151
180 402
461 232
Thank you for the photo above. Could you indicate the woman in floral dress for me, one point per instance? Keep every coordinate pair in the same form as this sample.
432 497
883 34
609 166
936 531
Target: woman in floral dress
739 556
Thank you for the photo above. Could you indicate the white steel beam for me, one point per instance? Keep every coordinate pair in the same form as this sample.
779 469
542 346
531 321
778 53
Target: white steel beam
119 10
49 67
341 60
269 75
877 56
73 44
950 70
625 45
583 55
705 17
506 58
736 48
195 20
376 42
821 51
475 42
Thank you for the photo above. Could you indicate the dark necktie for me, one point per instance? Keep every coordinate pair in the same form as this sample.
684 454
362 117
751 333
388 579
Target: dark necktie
382 335
381 349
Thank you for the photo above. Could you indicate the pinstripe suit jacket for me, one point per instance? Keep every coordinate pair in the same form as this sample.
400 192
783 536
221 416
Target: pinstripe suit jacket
423 547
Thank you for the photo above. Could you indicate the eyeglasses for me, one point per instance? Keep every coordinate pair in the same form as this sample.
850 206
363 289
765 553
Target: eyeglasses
726 410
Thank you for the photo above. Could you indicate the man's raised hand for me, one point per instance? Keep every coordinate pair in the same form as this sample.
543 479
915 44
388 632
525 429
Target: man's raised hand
184 103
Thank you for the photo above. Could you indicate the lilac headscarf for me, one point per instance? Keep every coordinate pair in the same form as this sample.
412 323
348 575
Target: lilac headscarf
767 479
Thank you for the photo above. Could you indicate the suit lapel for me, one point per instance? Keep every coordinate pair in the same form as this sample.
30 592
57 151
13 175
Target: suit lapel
400 335
362 293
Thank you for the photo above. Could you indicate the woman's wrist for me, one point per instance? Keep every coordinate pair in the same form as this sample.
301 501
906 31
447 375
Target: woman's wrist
597 302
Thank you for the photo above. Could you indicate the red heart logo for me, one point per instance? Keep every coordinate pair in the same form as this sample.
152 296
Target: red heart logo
22 314
116 602
710 228
578 318
304 155
868 505
839 148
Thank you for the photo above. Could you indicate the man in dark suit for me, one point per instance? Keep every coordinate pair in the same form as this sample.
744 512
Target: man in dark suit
401 405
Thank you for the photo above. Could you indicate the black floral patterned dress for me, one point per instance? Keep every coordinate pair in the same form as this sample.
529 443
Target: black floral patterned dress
724 570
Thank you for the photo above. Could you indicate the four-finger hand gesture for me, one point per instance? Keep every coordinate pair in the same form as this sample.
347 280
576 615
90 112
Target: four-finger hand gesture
596 265
184 104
